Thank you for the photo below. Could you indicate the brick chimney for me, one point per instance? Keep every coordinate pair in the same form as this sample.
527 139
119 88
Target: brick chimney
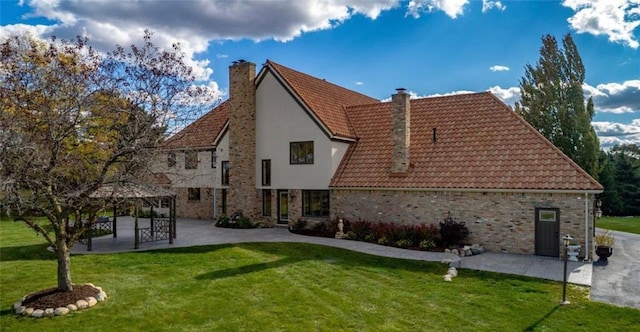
400 131
242 138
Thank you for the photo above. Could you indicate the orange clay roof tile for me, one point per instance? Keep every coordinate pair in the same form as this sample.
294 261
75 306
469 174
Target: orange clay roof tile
481 144
202 132
326 100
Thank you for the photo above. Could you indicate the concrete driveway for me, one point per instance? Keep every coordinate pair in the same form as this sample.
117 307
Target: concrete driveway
619 281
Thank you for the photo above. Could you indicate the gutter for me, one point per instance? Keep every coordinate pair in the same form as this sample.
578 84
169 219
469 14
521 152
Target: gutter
587 248
474 190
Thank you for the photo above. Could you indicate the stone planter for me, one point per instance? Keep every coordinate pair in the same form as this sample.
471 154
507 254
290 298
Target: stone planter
604 253
572 252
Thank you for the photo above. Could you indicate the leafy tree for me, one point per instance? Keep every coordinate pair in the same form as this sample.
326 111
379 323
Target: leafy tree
552 101
74 120
620 175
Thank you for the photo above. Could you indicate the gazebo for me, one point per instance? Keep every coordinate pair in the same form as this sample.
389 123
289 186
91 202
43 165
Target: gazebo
160 228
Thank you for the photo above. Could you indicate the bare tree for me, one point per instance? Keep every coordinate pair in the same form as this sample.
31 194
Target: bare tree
74 120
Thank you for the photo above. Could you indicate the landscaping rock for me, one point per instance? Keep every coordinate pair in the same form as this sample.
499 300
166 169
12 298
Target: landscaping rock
28 312
476 251
17 305
468 252
72 307
82 304
61 311
49 312
101 296
452 271
20 310
447 277
447 250
454 251
445 261
91 301
37 313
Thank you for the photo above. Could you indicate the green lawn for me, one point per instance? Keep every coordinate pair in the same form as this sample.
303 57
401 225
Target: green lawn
289 287
622 224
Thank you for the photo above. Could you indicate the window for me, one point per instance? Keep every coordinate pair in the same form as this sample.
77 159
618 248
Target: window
225 173
266 202
224 201
315 203
191 159
546 215
194 194
266 172
171 159
214 158
301 152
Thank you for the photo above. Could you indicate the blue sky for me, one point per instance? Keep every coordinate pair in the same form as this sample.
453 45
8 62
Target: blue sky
429 47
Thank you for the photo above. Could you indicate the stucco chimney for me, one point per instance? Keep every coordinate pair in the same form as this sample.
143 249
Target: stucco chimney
400 131
242 138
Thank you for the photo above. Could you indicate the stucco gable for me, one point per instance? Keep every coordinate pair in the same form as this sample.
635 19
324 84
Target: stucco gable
324 101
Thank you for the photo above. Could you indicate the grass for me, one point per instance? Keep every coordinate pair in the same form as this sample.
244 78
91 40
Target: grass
289 287
622 224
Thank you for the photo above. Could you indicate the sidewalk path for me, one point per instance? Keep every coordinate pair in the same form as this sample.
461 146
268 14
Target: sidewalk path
192 232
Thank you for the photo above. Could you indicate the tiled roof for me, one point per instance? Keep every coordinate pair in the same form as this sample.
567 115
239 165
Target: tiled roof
326 100
202 132
481 144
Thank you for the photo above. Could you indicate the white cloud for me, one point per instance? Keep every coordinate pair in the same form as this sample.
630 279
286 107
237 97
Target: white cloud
499 68
359 83
487 5
107 23
453 8
509 95
612 133
615 97
222 56
616 19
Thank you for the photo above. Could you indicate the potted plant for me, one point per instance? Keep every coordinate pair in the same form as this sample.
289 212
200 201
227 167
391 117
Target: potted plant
604 245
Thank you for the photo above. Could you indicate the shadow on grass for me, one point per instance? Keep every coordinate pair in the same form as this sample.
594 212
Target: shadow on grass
535 324
232 272
7 312
28 252
291 253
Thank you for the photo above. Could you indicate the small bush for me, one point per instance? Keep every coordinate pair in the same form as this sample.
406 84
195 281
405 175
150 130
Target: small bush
404 243
427 244
360 228
453 232
236 221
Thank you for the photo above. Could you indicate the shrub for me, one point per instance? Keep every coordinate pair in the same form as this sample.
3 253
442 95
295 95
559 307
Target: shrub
223 221
427 244
404 243
453 232
360 228
236 221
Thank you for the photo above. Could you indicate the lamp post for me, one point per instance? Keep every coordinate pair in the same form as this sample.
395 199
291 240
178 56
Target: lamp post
565 241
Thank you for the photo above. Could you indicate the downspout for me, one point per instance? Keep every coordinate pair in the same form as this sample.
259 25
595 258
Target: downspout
586 227
215 180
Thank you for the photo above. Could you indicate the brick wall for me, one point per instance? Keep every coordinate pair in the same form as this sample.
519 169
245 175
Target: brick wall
242 140
202 209
499 221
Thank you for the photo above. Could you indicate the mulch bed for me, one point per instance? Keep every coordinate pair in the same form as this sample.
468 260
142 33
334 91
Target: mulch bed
53 298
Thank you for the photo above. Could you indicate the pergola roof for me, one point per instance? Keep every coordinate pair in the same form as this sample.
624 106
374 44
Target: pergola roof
131 190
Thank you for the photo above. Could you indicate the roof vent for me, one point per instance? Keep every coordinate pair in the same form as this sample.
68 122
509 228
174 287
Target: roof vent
435 135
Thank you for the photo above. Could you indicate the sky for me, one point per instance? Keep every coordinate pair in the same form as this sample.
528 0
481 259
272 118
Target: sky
429 47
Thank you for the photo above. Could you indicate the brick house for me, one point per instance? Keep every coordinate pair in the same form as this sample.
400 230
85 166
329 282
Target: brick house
287 145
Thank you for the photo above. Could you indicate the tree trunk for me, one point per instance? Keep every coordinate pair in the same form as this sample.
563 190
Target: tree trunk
64 264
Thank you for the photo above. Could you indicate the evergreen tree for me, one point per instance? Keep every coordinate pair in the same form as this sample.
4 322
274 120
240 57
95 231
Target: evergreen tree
552 101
